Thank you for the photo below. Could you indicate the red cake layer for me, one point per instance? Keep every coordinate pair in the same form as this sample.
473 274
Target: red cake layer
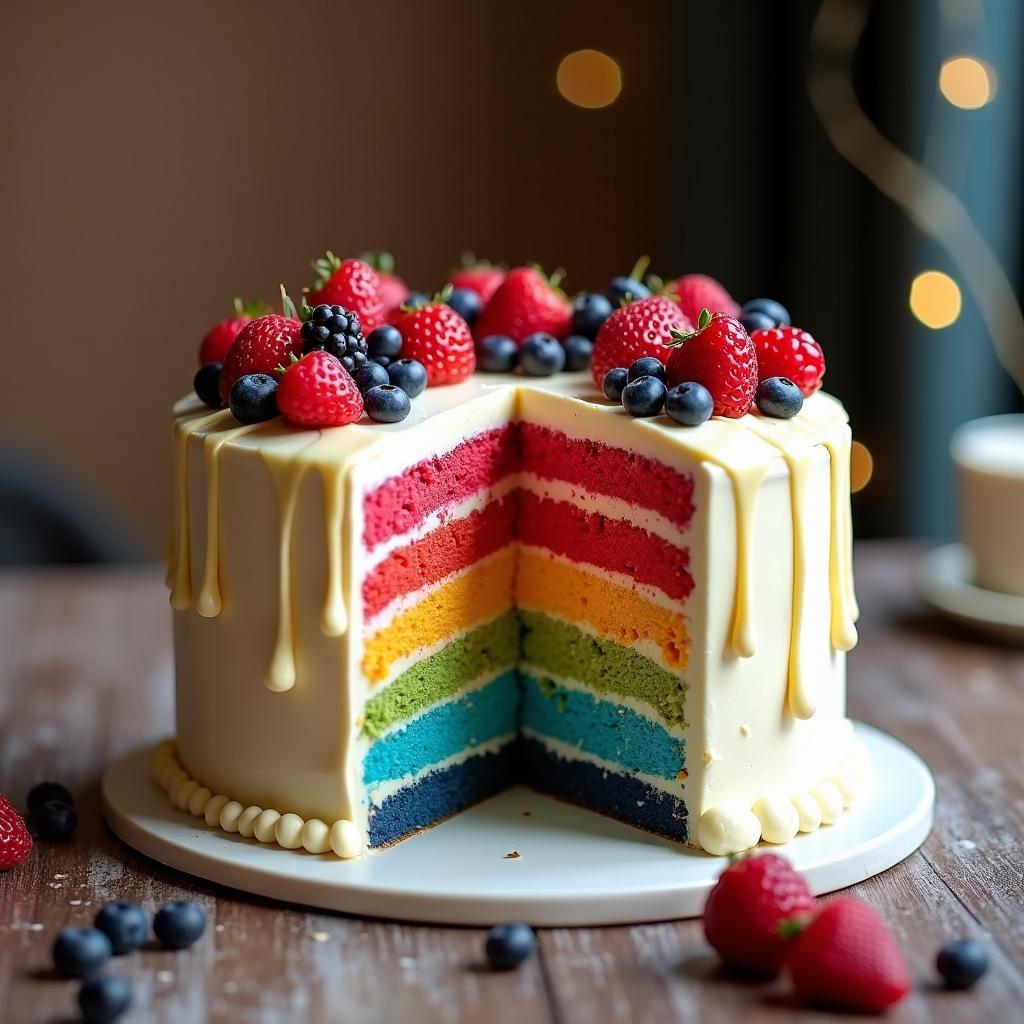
610 544
453 546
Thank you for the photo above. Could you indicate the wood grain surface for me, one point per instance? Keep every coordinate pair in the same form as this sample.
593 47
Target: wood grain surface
85 673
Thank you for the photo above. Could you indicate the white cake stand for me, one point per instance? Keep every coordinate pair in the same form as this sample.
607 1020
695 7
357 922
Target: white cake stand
574 867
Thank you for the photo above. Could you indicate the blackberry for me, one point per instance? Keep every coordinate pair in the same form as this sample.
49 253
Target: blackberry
337 331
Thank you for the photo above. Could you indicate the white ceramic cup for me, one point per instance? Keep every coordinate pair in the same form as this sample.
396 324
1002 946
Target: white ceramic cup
989 456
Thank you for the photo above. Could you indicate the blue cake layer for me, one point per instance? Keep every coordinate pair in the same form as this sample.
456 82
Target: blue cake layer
602 728
618 796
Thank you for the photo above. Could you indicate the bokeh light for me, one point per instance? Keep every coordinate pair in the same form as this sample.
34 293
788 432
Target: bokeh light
935 299
967 82
589 78
862 465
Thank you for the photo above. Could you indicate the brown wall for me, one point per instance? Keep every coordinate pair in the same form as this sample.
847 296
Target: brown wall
160 158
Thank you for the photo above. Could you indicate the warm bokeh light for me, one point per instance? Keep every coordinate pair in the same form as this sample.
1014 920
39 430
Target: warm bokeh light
935 299
862 465
967 82
589 78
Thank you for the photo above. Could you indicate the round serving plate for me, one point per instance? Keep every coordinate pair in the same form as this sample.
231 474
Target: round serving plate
573 867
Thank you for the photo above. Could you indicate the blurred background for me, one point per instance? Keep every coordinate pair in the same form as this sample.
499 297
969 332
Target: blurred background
860 161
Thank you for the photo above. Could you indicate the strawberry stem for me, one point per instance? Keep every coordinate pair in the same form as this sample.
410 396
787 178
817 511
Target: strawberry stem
640 268
287 306
324 267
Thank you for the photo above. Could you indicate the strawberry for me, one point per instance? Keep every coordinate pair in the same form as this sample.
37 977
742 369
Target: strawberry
635 330
790 352
695 292
352 284
478 276
719 355
847 959
317 391
261 345
747 913
441 340
15 841
526 302
219 338
393 289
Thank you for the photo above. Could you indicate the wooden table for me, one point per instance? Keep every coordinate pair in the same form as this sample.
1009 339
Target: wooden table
85 673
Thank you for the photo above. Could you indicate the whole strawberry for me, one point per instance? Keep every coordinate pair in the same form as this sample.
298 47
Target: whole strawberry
636 330
441 340
262 345
790 352
847 959
478 276
526 302
219 338
748 912
719 355
317 391
15 841
392 290
351 283
695 292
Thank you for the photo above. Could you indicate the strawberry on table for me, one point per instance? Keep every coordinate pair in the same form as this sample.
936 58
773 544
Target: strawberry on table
351 283
478 276
15 841
526 302
219 338
790 352
261 345
436 336
317 391
695 292
636 330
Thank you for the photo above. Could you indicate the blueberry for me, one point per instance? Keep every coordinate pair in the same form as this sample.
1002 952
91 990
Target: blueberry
779 397
409 375
756 320
497 354
508 945
384 361
253 398
78 952
772 309
689 403
589 312
369 376
613 383
540 355
207 386
386 403
644 396
39 794
578 351
416 299
962 963
384 341
125 924
648 366
179 923
104 998
467 304
55 821
620 288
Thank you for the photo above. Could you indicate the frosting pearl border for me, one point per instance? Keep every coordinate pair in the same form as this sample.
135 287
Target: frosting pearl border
288 830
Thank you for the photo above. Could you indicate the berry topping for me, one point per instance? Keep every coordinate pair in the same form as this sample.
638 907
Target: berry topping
436 336
775 311
409 375
337 331
467 304
370 376
644 396
220 337
720 355
646 366
638 329
540 355
352 284
179 923
317 391
125 924
689 403
755 320
508 945
847 959
392 290
384 343
54 821
262 345
386 403
479 276
253 398
15 841
613 384
790 352
578 352
778 397
497 353
78 952
630 287
695 292
526 302
962 963
104 999
747 908
206 383
589 312
43 791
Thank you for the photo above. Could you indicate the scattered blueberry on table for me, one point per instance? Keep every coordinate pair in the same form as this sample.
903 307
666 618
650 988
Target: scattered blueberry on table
508 945
55 821
125 924
104 998
962 963
179 923
79 952
45 791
